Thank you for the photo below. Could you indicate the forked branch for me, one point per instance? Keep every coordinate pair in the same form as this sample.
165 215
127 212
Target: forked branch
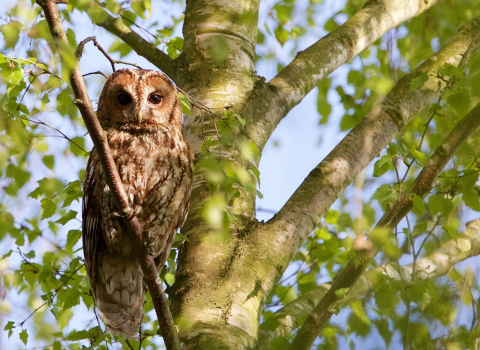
421 186
270 102
167 327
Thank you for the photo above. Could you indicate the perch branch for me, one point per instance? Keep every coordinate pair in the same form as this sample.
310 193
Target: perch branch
421 186
113 180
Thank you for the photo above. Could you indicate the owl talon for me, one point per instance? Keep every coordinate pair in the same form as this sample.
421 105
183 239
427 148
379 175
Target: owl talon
148 247
148 242
149 251
137 210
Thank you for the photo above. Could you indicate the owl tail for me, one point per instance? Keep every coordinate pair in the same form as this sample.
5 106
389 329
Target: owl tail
119 292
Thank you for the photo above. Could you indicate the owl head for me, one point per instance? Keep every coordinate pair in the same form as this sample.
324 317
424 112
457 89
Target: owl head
137 99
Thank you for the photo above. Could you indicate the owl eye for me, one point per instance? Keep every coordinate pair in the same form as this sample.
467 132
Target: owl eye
124 99
155 99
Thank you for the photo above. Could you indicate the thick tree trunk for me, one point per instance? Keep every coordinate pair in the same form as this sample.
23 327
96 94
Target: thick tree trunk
212 310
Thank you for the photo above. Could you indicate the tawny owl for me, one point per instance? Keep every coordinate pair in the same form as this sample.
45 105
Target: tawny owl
140 112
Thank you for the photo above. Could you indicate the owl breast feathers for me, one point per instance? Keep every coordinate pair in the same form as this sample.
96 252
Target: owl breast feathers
140 112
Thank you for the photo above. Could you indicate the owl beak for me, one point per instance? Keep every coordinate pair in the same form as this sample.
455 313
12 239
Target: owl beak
139 117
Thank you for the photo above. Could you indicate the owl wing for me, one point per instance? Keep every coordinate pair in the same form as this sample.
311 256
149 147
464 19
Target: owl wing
91 216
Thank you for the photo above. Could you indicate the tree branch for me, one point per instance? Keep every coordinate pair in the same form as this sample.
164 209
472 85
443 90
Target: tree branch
113 180
421 186
285 320
441 261
284 234
270 102
141 46
437 264
300 215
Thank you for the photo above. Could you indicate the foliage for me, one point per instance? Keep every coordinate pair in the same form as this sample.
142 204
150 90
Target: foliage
47 300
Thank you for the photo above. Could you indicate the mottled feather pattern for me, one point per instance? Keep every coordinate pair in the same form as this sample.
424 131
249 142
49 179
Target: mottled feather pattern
155 164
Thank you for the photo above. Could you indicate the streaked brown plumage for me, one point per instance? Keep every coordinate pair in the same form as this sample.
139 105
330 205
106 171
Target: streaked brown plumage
140 112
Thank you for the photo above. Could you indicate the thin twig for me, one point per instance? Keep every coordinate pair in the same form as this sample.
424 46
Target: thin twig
28 87
136 25
53 296
36 121
97 72
79 53
128 344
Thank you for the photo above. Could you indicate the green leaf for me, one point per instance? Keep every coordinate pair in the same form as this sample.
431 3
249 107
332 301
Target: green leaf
449 70
385 195
242 121
64 102
386 297
140 6
282 35
213 209
21 176
383 330
249 151
97 13
48 208
420 229
471 199
283 11
120 47
6 255
418 293
185 103
460 102
382 165
324 108
71 38
357 309
67 217
73 236
417 82
47 187
348 121
73 192
174 47
72 298
9 327
30 254
340 293
63 318
451 231
419 204
24 336
420 157
331 217
74 146
440 204
77 335
11 33
169 278
49 161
